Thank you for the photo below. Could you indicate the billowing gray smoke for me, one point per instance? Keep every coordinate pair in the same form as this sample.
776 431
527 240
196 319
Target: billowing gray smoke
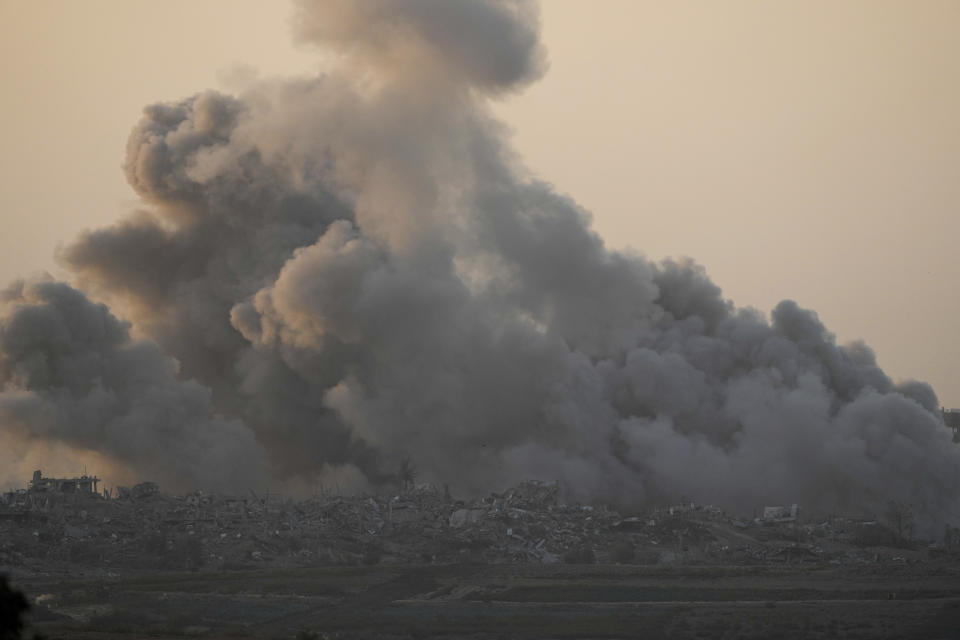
351 269
70 372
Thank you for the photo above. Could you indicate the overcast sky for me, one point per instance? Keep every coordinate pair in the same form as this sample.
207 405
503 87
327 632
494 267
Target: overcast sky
805 149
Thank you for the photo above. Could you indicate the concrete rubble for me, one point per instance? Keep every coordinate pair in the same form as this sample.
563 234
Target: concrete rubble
142 529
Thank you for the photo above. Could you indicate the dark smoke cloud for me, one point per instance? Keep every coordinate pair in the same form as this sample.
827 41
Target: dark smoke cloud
354 269
70 372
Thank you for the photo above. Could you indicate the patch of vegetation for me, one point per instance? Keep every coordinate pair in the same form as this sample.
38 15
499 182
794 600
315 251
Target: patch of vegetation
13 607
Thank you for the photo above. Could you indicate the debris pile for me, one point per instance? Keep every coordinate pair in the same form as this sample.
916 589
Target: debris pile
143 529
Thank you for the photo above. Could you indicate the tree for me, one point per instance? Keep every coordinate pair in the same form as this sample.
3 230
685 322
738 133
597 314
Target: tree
12 607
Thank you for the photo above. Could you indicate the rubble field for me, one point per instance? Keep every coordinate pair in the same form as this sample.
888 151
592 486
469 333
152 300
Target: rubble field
419 563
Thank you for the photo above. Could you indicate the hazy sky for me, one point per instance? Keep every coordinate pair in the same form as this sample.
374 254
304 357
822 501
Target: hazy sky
805 150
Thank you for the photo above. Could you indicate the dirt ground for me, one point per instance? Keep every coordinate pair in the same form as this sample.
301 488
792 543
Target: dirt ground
505 601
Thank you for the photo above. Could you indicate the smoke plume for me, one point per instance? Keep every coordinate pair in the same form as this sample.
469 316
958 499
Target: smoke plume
71 373
334 273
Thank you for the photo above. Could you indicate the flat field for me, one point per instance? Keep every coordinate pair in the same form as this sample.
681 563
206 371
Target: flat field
506 601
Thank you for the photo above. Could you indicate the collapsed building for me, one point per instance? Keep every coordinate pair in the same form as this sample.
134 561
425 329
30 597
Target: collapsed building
142 528
80 484
780 513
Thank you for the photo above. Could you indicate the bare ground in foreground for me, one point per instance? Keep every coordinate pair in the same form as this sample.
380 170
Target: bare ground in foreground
506 601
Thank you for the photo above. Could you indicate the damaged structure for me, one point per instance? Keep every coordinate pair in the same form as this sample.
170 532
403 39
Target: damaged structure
531 523
780 513
80 484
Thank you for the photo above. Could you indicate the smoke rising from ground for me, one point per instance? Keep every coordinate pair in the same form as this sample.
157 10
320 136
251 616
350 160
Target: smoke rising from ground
334 273
70 373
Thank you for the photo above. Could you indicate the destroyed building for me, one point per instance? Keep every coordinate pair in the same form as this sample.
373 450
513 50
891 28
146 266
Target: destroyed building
780 513
81 484
141 528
